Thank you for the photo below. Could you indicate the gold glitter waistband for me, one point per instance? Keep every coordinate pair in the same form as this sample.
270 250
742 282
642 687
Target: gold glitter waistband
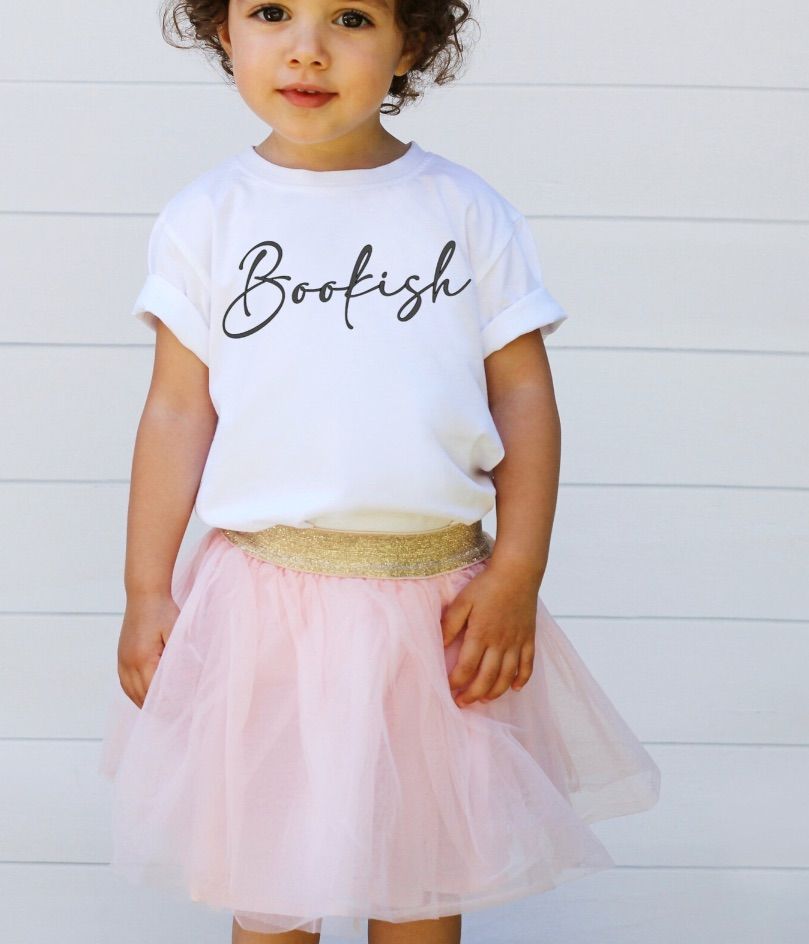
368 553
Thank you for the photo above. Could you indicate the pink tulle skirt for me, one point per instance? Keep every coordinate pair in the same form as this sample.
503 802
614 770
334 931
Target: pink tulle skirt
299 759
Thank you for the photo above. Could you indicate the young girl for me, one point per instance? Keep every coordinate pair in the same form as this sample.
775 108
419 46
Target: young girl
350 702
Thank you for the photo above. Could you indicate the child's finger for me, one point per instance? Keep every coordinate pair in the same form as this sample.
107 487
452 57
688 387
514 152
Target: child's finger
466 667
526 666
507 673
453 620
487 674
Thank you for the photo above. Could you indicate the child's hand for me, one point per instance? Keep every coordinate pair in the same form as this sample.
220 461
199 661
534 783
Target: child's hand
499 616
148 622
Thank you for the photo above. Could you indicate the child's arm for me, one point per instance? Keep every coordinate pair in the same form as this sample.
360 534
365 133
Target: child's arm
498 607
171 446
523 405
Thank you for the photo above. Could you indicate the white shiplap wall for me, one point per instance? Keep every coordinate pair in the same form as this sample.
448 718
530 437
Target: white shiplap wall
660 151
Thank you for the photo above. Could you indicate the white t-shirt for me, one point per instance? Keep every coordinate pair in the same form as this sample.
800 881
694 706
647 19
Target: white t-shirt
344 317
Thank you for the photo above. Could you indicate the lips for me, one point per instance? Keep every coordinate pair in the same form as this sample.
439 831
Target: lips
306 87
307 99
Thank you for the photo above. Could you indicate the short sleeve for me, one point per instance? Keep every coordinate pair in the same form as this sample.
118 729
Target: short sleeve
176 291
512 295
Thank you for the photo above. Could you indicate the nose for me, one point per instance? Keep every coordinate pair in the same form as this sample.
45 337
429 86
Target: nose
307 45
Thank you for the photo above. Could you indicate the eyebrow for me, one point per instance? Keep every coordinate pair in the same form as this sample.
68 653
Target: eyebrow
379 4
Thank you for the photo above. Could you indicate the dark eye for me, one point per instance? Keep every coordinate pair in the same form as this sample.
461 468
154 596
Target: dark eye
352 13
265 9
275 9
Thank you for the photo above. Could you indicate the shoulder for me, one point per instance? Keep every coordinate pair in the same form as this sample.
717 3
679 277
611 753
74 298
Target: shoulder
488 218
195 205
188 216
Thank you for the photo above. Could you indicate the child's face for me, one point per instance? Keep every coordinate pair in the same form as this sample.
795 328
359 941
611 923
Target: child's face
327 43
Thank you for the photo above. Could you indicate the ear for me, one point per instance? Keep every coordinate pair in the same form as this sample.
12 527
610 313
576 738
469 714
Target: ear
223 33
410 53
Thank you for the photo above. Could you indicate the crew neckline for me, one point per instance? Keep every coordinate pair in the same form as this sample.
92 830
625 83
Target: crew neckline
358 176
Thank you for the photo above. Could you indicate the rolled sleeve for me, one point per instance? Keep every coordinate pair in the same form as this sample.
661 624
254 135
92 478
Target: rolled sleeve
513 296
175 291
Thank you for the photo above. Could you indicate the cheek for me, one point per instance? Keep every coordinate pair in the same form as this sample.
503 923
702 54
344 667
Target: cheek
367 78
252 57
253 78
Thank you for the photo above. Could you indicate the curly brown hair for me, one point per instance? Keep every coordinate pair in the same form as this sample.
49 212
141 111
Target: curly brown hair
430 26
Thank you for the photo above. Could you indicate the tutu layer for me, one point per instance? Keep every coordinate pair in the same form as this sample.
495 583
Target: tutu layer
299 759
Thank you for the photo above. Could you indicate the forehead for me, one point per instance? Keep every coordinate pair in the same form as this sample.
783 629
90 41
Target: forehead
385 5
